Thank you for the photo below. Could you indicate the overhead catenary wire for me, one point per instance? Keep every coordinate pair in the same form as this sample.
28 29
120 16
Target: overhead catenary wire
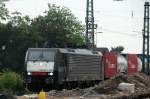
119 32
105 13
101 13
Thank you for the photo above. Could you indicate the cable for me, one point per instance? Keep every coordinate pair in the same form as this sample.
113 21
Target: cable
118 32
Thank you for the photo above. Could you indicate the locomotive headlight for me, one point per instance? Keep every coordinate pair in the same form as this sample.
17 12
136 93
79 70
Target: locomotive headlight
29 73
41 63
50 74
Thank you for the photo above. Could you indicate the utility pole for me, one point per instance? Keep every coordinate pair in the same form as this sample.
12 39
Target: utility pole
90 26
146 39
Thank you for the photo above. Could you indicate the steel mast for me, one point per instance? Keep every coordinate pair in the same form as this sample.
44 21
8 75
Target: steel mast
146 39
90 24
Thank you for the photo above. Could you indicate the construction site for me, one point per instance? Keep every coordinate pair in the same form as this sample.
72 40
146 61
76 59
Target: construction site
54 66
104 90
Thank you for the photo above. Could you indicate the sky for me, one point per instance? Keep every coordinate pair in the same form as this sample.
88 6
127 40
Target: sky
121 22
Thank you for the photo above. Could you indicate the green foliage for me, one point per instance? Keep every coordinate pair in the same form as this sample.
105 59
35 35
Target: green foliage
11 82
3 12
58 28
3 1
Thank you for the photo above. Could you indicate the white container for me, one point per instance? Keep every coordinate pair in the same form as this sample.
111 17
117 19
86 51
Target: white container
122 64
127 87
139 64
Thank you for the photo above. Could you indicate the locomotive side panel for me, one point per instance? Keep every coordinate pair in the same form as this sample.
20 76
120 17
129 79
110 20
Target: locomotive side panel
84 68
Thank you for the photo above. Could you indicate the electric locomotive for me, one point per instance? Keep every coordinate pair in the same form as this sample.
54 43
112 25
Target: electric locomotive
56 66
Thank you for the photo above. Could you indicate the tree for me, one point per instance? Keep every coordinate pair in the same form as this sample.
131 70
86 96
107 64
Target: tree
3 1
14 35
59 28
4 14
18 41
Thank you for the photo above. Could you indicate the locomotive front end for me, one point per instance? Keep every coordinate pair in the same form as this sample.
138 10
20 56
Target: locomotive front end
40 66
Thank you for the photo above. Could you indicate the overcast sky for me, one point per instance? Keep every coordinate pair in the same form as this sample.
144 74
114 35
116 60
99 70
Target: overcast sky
121 22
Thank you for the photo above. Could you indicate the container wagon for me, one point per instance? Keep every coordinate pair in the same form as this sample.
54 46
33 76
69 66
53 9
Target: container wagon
110 64
134 64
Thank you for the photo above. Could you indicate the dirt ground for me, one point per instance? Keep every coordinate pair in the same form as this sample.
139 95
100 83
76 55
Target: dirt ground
107 89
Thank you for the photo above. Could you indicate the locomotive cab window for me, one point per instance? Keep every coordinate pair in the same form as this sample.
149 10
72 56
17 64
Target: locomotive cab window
41 55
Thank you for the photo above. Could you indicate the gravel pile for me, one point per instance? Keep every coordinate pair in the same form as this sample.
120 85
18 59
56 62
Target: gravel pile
141 81
73 92
108 89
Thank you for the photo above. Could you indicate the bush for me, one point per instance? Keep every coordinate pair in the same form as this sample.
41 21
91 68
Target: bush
11 82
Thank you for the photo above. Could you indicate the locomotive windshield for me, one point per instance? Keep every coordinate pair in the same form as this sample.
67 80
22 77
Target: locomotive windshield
41 55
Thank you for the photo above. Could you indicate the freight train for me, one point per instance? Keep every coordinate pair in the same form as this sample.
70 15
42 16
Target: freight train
57 66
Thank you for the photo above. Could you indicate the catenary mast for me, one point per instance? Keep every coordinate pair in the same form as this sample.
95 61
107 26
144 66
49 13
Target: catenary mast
146 39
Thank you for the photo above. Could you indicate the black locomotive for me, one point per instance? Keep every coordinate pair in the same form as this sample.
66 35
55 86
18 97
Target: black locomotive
57 66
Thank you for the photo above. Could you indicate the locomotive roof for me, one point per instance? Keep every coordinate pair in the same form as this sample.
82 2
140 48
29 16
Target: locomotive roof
70 51
101 49
32 49
80 51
